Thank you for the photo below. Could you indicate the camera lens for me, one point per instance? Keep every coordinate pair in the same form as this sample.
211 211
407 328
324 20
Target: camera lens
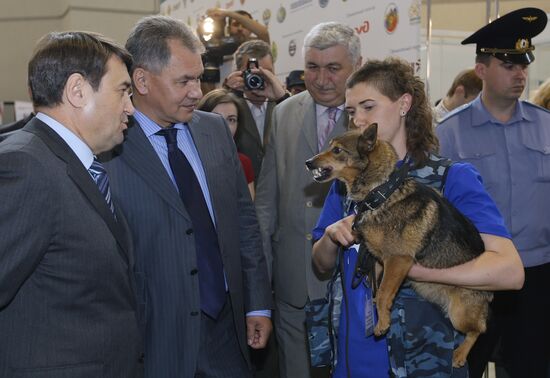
254 81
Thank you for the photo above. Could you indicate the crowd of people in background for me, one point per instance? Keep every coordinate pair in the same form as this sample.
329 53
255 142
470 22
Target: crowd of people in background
153 228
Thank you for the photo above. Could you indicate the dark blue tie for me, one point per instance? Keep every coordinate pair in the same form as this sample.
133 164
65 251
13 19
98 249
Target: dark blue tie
211 279
99 174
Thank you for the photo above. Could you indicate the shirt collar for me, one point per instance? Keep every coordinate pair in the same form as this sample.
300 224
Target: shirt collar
321 109
481 115
77 145
148 126
254 107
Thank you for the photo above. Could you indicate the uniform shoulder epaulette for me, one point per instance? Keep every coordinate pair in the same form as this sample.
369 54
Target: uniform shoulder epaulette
528 103
455 111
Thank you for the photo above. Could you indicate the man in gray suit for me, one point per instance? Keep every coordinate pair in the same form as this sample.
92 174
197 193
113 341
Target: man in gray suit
256 104
288 201
178 179
67 304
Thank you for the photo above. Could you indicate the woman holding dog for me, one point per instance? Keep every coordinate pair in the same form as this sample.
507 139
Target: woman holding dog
421 339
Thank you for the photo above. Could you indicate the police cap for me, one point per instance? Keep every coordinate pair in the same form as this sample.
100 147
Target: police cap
295 78
508 38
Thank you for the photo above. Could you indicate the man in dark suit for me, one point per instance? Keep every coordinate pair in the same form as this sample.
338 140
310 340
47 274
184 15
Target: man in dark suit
178 179
67 305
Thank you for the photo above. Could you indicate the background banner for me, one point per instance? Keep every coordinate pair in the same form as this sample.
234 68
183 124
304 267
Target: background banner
384 27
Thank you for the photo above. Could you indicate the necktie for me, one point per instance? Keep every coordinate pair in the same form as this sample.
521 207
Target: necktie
99 174
325 131
209 261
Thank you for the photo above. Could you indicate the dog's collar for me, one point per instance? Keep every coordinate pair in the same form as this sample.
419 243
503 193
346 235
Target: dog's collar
381 193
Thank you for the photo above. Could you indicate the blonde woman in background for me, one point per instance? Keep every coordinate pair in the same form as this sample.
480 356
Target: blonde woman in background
542 95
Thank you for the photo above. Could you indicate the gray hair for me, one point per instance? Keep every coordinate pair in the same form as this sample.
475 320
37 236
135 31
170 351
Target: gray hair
255 48
328 34
148 41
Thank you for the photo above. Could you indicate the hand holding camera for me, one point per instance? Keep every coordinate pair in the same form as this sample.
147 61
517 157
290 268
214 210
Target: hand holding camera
253 80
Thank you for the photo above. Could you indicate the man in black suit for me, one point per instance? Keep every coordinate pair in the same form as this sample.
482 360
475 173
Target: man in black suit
256 104
67 305
199 261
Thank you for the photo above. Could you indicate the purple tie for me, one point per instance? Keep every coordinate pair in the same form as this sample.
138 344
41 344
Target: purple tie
325 131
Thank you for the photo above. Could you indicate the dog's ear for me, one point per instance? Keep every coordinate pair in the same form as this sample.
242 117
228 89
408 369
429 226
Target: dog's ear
367 140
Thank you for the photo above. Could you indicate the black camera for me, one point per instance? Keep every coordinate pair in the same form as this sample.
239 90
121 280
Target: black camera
252 80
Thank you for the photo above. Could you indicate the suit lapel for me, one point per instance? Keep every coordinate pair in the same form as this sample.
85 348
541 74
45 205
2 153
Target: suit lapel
140 155
249 124
82 179
267 123
310 123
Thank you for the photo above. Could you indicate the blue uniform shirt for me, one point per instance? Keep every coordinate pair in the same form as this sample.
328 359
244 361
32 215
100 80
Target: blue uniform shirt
514 160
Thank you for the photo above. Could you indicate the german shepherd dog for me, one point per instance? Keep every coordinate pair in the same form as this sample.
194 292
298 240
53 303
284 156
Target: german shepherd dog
415 224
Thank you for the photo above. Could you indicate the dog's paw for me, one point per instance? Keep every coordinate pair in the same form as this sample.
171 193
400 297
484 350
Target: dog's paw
381 328
459 358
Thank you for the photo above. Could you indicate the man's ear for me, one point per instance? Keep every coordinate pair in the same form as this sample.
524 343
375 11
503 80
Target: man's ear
367 140
480 69
76 90
140 80
460 92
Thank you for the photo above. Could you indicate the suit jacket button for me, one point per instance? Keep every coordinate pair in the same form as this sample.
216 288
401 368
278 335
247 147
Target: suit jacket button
141 358
194 313
309 204
194 271
189 231
309 236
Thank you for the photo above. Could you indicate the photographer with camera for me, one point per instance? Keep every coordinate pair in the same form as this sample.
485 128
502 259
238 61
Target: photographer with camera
241 24
259 91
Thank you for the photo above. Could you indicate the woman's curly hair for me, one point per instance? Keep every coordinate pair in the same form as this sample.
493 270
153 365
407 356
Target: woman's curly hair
393 77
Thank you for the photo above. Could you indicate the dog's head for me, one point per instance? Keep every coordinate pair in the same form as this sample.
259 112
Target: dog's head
356 158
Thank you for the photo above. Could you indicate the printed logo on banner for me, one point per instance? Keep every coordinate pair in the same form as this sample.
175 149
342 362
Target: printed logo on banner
266 16
292 47
363 27
391 18
274 51
323 3
281 14
415 11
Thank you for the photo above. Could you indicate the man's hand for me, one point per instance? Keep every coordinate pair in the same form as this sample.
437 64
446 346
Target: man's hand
273 88
234 81
216 12
258 330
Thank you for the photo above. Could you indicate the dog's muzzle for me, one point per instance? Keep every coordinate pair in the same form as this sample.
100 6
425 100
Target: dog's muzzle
320 174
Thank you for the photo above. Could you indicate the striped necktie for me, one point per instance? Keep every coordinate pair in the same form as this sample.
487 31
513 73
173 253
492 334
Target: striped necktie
99 174
325 131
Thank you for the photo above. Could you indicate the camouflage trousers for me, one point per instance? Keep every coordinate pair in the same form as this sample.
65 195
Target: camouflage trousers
421 339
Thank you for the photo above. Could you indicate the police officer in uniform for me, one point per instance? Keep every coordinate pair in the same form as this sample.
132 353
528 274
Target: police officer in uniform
508 141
